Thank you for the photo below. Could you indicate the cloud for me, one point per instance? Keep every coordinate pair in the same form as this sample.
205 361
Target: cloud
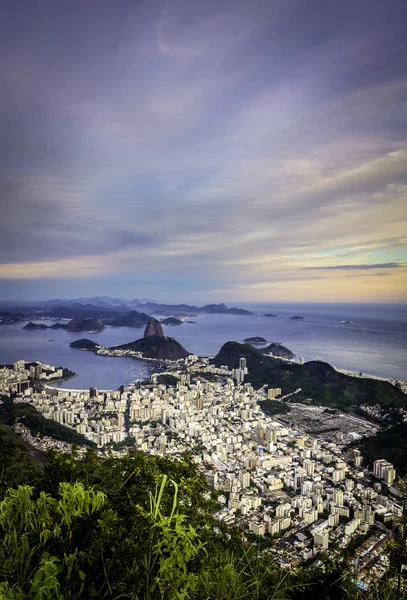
355 267
249 141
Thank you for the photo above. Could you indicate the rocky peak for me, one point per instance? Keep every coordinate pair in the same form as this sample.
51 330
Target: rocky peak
153 327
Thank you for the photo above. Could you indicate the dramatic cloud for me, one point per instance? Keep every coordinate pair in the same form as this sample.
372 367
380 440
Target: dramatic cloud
200 150
356 267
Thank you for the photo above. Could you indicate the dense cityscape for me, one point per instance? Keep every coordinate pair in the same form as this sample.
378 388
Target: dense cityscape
304 494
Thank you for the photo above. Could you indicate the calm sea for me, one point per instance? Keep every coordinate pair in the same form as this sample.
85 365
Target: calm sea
373 340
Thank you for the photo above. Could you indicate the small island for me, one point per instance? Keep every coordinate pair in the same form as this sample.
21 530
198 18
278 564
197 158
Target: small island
256 340
297 318
85 324
172 321
132 318
270 315
277 350
85 344
33 326
59 326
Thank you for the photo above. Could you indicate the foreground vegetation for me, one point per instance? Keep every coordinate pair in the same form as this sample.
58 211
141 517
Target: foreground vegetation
136 527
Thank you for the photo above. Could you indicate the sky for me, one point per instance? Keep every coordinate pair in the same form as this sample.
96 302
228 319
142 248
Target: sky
190 150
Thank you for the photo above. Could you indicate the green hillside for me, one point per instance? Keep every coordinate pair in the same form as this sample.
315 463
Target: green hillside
390 444
31 418
318 380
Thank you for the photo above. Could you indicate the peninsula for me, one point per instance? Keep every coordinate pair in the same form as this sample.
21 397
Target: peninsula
154 345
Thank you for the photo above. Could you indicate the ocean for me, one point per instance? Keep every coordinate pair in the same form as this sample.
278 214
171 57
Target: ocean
371 338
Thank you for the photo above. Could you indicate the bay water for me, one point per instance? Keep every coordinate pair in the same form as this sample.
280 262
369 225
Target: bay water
371 338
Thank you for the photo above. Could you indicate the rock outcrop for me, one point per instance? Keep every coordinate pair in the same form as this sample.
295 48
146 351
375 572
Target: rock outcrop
155 328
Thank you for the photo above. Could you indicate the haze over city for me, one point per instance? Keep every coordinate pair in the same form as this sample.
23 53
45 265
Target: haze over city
202 151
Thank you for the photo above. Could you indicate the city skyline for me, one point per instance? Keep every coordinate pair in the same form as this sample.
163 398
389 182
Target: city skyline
201 152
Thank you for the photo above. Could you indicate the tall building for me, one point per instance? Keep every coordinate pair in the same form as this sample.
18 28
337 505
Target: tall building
309 466
384 470
338 497
244 478
242 364
92 392
321 538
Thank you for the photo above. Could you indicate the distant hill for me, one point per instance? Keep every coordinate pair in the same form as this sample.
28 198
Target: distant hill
269 315
104 308
132 318
161 348
318 380
188 308
277 350
77 310
78 324
255 340
297 318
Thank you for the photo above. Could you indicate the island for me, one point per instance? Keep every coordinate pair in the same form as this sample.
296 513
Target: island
276 349
172 321
85 344
297 318
85 324
270 315
133 318
255 340
33 326
59 326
